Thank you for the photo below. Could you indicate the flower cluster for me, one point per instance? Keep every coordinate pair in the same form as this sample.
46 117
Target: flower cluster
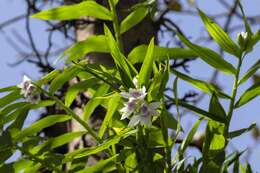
137 109
28 90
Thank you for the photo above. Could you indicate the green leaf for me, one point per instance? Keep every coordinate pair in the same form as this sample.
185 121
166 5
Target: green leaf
4 156
75 89
133 18
47 78
220 36
231 158
111 109
147 66
202 85
248 95
83 152
9 98
216 107
169 120
61 79
95 102
239 132
190 135
209 56
160 53
250 72
214 143
5 141
158 85
57 141
125 68
7 89
41 124
94 43
102 166
199 111
69 12
11 107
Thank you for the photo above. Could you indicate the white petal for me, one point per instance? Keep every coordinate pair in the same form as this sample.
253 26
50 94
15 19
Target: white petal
26 78
125 115
135 81
154 105
146 120
123 110
143 90
125 94
134 121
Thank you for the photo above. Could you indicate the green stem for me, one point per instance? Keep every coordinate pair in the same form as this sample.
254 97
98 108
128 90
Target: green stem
233 97
166 140
73 114
116 25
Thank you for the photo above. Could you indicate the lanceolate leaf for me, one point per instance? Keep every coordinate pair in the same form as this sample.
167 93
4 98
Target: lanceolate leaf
147 66
69 12
75 89
133 18
248 95
102 165
209 56
214 143
83 152
190 135
111 109
57 141
160 53
9 98
125 68
64 77
11 88
220 36
199 111
94 43
250 72
239 132
202 85
47 78
41 124
94 102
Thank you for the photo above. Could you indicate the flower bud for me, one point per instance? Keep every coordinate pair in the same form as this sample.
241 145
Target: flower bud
243 39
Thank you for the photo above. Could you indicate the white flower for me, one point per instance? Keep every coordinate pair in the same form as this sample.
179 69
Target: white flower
25 85
137 94
144 115
128 108
28 90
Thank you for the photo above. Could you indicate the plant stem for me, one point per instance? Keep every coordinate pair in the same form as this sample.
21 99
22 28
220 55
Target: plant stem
73 114
233 97
116 26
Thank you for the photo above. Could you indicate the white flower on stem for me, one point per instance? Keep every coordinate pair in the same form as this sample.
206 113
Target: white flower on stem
128 108
144 115
244 35
28 90
137 94
25 85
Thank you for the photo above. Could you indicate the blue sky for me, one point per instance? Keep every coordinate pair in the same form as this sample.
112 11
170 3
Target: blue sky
192 27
